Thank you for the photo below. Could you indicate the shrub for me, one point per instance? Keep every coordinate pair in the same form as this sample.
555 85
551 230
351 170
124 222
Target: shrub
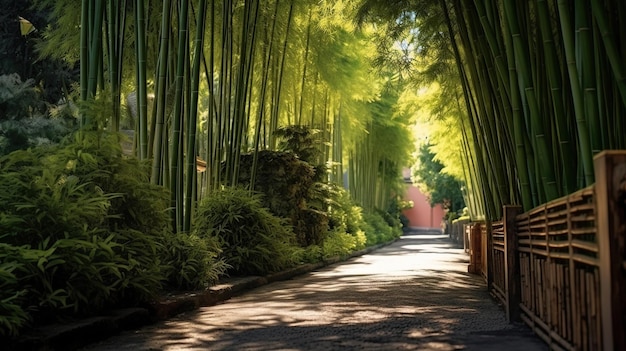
287 184
377 230
392 221
12 314
97 159
340 243
310 254
343 213
192 262
253 240
396 210
83 230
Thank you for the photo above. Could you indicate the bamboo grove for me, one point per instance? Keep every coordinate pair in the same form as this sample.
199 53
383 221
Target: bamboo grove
539 86
544 89
206 81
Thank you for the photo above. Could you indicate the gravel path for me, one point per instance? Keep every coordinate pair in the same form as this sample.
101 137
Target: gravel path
412 295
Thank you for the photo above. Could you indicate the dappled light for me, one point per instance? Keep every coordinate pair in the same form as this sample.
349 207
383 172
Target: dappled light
413 294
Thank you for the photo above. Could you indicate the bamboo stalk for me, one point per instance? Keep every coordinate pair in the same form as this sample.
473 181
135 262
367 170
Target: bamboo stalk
175 172
161 95
191 174
142 94
581 122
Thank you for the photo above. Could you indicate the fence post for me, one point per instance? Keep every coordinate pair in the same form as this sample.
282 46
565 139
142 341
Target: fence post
489 253
610 173
476 246
511 260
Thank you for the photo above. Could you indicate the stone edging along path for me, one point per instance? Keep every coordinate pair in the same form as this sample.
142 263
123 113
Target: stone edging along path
71 336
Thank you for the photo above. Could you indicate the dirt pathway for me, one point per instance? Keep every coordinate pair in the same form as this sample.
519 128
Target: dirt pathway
412 295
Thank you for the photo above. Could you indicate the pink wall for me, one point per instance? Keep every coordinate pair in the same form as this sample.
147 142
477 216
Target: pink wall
422 215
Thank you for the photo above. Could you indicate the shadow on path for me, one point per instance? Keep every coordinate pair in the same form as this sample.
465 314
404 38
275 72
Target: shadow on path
412 295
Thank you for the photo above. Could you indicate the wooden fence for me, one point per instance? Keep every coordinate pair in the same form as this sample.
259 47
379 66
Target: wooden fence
456 231
561 267
559 272
498 275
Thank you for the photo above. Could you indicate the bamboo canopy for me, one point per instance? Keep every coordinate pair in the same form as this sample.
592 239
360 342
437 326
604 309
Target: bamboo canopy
539 87
225 76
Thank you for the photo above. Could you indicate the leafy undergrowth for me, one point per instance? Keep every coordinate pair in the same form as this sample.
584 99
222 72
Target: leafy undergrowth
253 240
82 230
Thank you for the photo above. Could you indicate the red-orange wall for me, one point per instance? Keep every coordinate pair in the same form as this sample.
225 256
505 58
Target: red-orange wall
422 215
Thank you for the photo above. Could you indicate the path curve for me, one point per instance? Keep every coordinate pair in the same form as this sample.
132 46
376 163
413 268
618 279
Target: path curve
414 294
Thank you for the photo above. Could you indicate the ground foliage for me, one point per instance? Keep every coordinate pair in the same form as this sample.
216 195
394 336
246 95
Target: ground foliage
253 240
81 230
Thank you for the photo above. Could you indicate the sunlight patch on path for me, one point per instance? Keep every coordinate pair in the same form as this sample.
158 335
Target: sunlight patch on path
412 295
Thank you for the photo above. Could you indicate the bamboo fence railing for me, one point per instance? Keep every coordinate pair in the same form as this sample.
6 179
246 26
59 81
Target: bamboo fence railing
561 267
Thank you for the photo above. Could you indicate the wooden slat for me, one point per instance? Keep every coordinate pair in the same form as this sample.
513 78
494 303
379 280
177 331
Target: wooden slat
543 331
583 231
533 250
585 245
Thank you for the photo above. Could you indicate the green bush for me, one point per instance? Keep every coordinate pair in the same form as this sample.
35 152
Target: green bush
377 229
340 243
97 159
38 204
288 185
192 262
343 213
82 229
310 254
253 240
392 220
345 222
396 210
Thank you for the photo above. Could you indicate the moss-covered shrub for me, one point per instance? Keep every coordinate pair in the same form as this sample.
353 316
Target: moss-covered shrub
253 240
